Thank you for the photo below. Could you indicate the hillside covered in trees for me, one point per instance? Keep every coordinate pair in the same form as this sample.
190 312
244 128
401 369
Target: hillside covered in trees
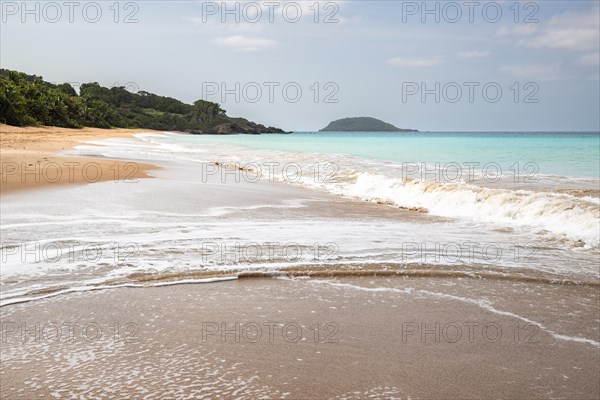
29 100
362 124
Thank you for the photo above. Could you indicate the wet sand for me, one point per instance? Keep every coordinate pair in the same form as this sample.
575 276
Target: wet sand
30 158
411 336
353 338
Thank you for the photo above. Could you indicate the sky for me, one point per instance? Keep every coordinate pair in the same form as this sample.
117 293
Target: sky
297 65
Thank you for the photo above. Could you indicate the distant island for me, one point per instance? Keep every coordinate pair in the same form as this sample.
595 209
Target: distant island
362 124
27 100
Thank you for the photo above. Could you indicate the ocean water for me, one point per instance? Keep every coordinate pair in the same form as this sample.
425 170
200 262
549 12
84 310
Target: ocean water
517 204
575 154
547 181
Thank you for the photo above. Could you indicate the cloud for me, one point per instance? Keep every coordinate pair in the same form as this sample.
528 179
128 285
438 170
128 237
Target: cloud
349 20
534 72
244 25
570 30
414 62
473 54
518 30
245 43
214 24
576 18
591 59
570 38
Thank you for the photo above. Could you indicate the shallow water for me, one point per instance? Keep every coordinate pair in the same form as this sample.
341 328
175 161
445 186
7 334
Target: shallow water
515 182
197 221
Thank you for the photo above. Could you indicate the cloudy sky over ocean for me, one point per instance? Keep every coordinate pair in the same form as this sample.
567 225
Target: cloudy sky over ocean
298 65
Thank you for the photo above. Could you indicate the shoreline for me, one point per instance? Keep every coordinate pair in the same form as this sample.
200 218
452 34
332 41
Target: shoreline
245 338
399 272
31 158
395 325
224 205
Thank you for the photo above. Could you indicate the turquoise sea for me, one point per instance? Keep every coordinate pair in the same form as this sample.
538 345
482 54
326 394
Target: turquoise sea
307 188
574 154
544 181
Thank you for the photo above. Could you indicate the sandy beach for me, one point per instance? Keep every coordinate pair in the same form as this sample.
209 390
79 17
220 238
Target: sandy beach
30 158
345 338
512 329
322 200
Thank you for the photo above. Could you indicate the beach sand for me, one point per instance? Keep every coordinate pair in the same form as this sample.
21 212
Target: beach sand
352 338
340 336
30 158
